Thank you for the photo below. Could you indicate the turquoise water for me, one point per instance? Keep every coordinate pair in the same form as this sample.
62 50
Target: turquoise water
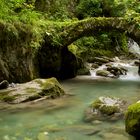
63 119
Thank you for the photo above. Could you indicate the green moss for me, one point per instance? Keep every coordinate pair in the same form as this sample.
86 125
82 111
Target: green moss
96 104
8 98
105 109
30 90
109 110
49 83
132 121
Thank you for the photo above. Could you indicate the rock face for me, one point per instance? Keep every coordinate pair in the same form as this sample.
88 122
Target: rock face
69 64
132 120
37 89
54 61
83 68
20 62
106 108
16 58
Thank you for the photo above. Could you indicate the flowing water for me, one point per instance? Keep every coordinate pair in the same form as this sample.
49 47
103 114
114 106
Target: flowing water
66 121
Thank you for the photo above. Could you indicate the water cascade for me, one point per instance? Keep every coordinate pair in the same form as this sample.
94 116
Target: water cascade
132 73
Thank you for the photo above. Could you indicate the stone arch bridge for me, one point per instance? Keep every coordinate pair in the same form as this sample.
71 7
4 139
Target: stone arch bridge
56 60
75 30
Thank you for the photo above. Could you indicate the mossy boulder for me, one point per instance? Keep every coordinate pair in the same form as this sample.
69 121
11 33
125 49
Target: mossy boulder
132 120
104 73
106 108
34 90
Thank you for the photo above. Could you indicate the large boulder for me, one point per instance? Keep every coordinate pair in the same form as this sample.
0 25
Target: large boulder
106 108
34 90
132 120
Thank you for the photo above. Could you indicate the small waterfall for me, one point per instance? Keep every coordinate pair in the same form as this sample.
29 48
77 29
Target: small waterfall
132 73
93 71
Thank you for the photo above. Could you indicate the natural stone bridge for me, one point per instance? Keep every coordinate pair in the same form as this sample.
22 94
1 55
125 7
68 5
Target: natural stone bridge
64 63
88 27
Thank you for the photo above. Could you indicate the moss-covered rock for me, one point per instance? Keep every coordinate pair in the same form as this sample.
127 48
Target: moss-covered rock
33 90
16 53
106 108
132 120
104 73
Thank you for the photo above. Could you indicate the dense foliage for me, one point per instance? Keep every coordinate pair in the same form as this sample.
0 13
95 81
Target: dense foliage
42 14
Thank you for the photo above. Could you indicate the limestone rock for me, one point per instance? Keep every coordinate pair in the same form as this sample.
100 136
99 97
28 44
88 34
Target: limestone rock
33 90
104 73
106 108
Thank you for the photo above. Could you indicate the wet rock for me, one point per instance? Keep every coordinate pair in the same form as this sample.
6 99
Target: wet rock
137 62
132 120
106 108
117 70
100 60
35 90
4 84
104 73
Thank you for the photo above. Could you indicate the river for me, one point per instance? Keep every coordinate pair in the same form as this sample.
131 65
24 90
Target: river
66 121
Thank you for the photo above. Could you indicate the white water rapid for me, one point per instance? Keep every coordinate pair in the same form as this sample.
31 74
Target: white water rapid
132 73
132 69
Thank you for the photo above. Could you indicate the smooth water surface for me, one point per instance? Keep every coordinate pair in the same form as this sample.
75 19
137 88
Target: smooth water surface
66 121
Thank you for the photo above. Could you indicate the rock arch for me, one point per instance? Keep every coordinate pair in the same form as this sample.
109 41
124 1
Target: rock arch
91 26
64 63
